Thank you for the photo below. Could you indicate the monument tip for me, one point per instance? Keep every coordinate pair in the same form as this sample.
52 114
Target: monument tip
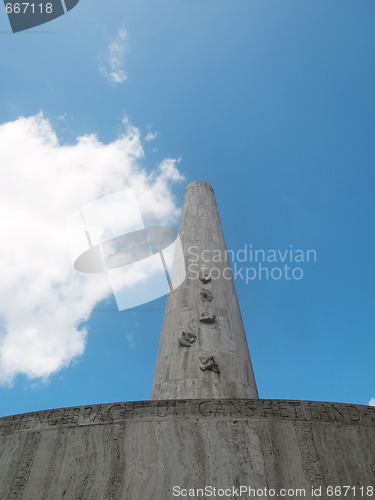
203 184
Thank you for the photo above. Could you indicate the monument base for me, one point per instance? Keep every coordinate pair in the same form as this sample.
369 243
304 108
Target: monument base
160 450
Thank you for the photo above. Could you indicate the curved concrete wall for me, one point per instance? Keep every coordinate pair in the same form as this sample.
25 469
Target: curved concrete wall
141 450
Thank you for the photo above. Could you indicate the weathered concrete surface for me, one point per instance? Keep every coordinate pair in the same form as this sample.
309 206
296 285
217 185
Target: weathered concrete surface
141 450
203 352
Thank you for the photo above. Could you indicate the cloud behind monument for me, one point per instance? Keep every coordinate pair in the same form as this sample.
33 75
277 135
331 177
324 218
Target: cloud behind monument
114 67
45 301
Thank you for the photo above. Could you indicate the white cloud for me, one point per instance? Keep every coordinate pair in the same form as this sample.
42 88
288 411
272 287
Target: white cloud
371 402
151 136
114 70
130 337
43 299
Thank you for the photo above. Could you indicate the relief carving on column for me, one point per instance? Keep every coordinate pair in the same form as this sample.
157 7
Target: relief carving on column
209 363
206 295
186 339
205 278
207 318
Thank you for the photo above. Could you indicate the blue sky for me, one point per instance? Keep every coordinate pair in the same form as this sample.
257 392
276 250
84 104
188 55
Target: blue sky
271 102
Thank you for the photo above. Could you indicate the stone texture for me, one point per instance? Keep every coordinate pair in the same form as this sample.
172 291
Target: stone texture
206 306
222 437
142 449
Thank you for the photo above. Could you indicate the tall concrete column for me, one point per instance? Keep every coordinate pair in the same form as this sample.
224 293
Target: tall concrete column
203 352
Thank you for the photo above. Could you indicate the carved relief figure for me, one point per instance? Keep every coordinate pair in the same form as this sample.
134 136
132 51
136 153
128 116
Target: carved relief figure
206 295
205 278
209 363
186 339
207 318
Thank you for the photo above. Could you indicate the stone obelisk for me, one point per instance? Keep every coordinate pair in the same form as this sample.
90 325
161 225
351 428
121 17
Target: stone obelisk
203 352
